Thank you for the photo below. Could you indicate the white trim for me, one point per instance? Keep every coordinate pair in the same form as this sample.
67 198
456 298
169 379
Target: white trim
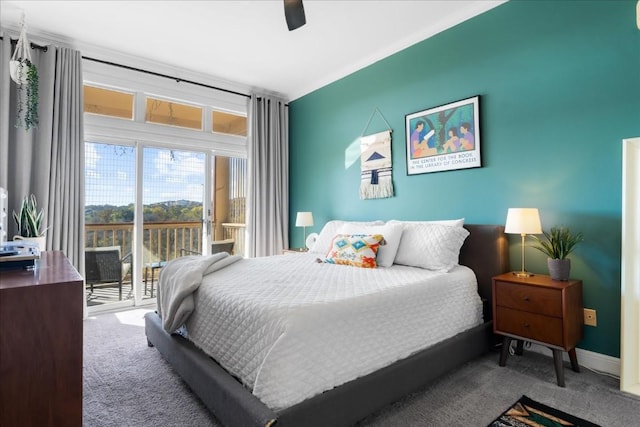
110 127
116 307
126 80
587 359
630 275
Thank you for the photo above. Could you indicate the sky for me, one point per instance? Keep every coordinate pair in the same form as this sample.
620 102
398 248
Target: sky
167 175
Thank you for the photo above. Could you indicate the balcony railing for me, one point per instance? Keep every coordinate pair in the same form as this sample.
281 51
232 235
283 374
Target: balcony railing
162 241
235 232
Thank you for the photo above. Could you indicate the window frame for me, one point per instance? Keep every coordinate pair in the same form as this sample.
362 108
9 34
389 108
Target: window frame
143 85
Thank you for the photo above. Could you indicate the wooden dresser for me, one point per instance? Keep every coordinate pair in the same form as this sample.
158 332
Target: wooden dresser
41 344
540 310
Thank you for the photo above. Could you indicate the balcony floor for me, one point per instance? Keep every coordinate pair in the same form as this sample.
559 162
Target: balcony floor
104 294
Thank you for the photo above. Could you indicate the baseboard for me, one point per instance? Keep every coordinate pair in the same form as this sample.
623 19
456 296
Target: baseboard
589 359
117 307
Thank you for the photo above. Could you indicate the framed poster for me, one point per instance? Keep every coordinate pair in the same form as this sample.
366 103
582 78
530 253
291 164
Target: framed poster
444 138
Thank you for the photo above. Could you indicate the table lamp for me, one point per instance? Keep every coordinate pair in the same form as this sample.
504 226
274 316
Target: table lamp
523 221
304 220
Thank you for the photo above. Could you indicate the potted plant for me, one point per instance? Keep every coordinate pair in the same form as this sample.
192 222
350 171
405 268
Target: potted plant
29 221
557 245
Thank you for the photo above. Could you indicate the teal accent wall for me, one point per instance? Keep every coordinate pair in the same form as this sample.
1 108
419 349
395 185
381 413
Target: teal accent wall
559 87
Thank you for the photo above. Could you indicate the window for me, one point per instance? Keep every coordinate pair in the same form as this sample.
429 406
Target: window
173 114
108 102
228 123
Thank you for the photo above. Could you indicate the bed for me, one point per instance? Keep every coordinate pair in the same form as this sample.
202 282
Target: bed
484 251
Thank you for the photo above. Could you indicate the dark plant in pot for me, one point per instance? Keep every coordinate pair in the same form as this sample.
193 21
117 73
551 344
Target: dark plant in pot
557 244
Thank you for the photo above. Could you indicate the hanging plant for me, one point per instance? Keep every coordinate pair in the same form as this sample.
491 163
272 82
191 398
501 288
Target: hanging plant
31 113
25 74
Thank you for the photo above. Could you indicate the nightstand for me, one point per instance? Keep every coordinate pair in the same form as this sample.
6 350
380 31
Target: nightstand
540 310
294 251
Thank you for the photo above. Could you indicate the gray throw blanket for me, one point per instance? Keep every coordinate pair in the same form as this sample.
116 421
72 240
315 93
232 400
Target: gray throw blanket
179 279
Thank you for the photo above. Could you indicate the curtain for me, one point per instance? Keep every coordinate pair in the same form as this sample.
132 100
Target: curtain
268 176
47 161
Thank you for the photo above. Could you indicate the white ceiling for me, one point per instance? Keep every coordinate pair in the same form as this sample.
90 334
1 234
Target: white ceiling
242 42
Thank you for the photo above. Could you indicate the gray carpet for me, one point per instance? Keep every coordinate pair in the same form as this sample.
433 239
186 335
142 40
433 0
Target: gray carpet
127 383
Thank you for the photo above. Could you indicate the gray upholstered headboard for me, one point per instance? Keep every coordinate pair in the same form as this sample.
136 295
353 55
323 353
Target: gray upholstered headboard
486 252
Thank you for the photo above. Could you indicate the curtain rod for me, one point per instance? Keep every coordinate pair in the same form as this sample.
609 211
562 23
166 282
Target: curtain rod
33 45
44 49
165 76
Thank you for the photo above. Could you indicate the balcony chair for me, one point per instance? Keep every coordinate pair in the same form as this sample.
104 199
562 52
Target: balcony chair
217 246
105 266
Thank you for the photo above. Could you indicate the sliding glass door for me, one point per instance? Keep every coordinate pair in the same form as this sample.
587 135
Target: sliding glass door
165 177
228 227
110 183
173 220
146 205
143 207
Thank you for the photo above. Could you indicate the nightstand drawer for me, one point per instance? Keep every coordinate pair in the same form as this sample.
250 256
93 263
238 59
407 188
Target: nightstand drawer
529 325
529 298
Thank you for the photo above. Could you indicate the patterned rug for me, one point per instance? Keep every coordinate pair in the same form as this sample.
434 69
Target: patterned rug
529 413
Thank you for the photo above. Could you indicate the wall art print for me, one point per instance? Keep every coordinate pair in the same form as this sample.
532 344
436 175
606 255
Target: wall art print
376 180
444 138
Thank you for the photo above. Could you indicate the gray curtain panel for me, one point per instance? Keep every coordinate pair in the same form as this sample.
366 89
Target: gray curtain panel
47 161
268 176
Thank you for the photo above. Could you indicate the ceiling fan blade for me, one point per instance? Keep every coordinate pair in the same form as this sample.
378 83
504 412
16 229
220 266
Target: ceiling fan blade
294 14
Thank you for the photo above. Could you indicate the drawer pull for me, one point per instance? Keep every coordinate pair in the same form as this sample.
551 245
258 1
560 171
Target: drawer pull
526 325
526 299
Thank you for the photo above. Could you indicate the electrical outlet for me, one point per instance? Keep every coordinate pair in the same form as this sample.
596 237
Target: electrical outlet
590 317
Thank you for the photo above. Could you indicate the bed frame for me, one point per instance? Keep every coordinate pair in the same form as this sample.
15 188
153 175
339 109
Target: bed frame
485 251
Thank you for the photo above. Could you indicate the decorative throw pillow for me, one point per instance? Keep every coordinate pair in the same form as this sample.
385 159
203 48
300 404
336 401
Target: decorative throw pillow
431 246
358 250
328 232
391 233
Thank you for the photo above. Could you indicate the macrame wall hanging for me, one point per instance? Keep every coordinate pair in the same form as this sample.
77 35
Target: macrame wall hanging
376 180
25 74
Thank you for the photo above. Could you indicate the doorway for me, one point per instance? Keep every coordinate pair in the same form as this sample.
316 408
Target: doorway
143 208
109 214
146 205
630 283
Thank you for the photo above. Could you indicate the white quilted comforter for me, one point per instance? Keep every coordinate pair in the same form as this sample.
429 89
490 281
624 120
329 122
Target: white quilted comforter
291 328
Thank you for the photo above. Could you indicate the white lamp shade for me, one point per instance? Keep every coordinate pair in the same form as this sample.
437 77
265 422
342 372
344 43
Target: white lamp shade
523 221
304 219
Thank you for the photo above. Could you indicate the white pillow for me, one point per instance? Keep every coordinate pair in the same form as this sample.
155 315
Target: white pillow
330 229
452 222
391 233
431 246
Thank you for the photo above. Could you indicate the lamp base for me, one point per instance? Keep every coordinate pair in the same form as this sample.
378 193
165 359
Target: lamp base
522 274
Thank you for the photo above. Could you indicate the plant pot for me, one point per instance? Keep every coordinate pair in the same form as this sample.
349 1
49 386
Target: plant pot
559 269
41 241
18 70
